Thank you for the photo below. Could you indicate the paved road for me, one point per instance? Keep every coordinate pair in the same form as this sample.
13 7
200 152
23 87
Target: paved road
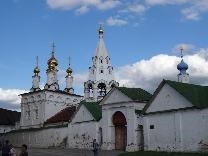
69 152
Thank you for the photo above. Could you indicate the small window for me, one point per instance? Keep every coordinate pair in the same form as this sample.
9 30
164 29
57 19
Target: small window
101 61
101 71
152 127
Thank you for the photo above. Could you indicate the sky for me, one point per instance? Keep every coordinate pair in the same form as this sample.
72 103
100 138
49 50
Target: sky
143 38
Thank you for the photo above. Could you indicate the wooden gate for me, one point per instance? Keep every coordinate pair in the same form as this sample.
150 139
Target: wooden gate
119 122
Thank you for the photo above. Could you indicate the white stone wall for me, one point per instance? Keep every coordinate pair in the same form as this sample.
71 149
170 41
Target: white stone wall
82 130
81 135
184 130
43 138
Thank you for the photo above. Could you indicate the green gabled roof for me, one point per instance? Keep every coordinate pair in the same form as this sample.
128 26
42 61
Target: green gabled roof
197 95
136 93
94 108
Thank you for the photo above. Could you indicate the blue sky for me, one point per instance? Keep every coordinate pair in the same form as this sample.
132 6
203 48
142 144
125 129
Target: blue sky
135 31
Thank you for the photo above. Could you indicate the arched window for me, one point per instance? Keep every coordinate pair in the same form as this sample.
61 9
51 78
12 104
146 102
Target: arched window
101 59
90 90
102 89
107 59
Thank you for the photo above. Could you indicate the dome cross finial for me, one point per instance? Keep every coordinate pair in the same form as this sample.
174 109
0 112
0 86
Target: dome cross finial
181 52
37 61
53 49
69 60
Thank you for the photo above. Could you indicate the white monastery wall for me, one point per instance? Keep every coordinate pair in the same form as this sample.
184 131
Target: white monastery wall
39 138
184 130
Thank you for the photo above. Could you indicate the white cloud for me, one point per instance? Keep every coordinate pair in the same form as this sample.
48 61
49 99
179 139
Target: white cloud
165 2
137 8
114 21
148 74
82 10
74 4
9 98
191 14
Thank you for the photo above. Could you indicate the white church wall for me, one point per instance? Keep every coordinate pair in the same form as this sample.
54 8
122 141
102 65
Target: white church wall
37 107
42 138
56 102
167 99
184 130
32 110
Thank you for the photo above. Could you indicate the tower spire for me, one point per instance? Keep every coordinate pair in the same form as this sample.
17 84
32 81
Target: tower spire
53 50
101 77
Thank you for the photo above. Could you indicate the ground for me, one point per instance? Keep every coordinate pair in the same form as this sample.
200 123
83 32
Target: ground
68 152
162 154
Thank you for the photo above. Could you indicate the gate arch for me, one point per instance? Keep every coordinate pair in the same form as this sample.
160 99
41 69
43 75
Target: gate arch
119 121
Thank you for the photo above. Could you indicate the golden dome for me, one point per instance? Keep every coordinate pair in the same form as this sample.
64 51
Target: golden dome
52 62
69 71
36 70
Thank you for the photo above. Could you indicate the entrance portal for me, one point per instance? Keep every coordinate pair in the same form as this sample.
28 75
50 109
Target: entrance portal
119 122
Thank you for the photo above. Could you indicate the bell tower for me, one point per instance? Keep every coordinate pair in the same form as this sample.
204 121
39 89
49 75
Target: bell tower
101 78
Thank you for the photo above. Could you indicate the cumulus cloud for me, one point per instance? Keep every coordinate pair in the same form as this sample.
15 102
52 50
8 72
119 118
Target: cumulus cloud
114 21
148 74
9 98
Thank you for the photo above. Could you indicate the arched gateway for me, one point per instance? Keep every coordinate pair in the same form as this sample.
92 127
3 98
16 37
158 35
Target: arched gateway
119 122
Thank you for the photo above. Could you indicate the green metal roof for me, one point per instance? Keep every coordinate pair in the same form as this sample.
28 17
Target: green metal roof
197 95
136 93
94 108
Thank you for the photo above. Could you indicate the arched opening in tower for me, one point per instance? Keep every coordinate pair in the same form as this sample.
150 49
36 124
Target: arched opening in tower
102 89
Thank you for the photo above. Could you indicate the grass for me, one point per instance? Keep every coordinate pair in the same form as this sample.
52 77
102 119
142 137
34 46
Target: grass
162 154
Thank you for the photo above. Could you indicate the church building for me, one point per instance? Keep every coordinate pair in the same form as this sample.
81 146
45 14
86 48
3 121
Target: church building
174 118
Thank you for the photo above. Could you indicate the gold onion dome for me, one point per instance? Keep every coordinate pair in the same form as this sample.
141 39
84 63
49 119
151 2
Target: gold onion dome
69 71
36 70
52 62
